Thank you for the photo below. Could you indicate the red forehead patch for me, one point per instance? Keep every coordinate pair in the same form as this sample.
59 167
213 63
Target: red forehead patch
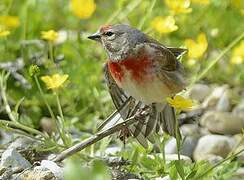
105 28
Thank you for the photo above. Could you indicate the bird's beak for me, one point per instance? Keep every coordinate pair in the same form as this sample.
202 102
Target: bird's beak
96 36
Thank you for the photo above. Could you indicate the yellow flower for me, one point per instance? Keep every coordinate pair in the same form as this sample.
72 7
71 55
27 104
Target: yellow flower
9 22
83 8
238 4
197 48
238 54
55 81
180 102
4 33
201 2
242 11
179 6
164 24
50 35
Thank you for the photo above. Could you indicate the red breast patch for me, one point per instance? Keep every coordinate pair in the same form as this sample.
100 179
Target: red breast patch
137 67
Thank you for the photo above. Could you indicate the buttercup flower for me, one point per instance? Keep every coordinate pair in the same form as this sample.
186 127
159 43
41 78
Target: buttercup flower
83 8
164 24
9 22
179 6
238 54
238 4
197 48
4 33
55 81
201 2
180 103
50 35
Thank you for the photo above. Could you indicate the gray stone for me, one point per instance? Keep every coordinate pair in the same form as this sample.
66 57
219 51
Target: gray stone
38 174
5 137
170 146
224 102
53 167
170 157
187 147
189 144
239 109
11 158
21 143
190 130
214 145
222 122
204 131
112 150
212 159
199 92
213 98
239 174
163 178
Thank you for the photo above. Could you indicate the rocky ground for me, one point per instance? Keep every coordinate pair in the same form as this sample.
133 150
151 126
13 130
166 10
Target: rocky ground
211 132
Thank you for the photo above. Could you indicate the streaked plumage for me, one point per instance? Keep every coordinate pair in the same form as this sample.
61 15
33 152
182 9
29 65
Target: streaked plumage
141 73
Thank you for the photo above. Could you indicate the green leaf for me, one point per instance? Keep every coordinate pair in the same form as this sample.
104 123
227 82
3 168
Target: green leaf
180 168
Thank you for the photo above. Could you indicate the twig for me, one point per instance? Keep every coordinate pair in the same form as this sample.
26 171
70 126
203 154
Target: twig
93 139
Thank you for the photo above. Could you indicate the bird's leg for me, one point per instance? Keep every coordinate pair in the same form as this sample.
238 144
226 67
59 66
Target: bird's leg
142 113
124 134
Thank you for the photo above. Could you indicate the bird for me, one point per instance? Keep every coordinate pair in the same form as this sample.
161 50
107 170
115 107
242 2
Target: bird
140 74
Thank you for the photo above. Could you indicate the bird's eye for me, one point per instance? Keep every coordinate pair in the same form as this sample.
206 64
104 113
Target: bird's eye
109 33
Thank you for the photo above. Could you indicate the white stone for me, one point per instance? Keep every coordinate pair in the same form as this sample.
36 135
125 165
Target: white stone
224 102
171 157
222 122
53 167
214 97
214 145
199 92
11 158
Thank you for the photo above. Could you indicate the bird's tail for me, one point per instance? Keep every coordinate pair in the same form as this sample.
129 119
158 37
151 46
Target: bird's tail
166 120
161 117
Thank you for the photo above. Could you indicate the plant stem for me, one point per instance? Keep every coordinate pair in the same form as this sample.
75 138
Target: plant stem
23 127
142 22
94 138
129 8
62 127
3 87
44 99
59 108
212 63
50 46
219 163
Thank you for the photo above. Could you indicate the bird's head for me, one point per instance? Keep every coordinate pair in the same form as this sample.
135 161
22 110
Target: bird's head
118 40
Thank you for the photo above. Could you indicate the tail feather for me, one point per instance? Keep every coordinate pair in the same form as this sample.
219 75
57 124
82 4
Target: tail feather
152 121
168 120
140 136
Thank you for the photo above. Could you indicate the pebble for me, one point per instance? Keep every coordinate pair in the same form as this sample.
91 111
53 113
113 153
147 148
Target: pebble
224 102
170 157
12 158
199 92
211 101
222 122
214 145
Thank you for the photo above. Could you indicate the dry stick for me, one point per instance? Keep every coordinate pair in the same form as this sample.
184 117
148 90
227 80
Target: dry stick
94 138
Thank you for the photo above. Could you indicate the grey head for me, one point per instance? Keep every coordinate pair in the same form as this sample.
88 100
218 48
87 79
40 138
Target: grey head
118 40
